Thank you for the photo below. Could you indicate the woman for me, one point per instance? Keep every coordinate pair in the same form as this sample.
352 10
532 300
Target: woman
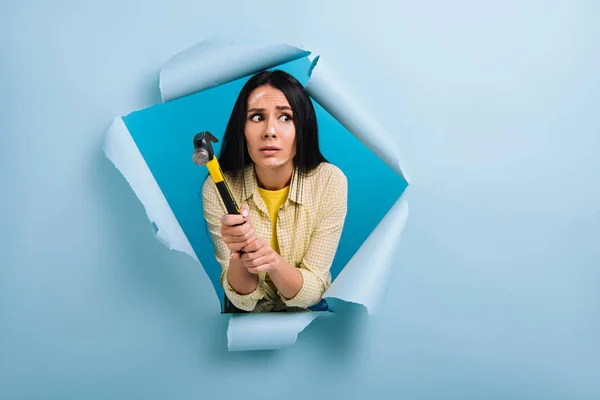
276 255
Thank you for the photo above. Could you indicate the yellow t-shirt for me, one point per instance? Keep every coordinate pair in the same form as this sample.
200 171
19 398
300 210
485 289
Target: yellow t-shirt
274 199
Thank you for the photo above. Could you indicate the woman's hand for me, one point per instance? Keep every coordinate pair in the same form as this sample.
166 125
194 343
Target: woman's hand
260 257
237 231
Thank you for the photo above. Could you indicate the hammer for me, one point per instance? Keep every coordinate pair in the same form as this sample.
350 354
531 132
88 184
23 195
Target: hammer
204 155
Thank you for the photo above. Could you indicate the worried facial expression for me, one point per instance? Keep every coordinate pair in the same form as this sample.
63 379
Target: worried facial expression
270 131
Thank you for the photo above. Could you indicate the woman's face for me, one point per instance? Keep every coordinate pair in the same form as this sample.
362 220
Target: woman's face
270 131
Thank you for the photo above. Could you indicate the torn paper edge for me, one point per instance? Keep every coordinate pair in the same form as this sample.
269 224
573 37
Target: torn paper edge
268 331
352 284
217 61
331 95
120 148
375 255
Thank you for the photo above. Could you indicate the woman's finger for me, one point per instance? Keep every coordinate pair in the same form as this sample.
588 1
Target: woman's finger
260 268
257 262
239 230
249 242
245 210
252 255
232 219
228 236
256 245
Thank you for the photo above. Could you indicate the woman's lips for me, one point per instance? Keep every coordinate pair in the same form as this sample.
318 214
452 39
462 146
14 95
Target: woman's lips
269 152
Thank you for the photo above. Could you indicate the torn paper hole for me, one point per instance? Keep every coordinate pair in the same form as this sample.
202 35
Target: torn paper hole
152 146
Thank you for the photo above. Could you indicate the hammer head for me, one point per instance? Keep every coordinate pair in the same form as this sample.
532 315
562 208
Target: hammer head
203 151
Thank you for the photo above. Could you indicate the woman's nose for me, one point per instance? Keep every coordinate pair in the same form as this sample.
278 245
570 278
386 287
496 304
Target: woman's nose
270 131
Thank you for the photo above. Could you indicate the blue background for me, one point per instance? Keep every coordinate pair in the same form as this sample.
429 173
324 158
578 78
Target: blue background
495 291
164 133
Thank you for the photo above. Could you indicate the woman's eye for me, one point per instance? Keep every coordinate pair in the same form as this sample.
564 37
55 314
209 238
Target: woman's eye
285 117
256 118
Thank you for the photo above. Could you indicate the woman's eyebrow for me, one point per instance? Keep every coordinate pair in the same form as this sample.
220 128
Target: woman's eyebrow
262 109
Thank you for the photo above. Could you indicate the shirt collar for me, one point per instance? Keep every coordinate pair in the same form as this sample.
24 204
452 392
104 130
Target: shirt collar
251 185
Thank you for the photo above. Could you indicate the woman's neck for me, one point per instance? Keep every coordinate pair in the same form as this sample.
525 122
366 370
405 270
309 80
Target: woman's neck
274 178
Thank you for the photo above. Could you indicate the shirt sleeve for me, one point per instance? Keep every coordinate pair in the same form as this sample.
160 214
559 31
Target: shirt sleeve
214 209
324 240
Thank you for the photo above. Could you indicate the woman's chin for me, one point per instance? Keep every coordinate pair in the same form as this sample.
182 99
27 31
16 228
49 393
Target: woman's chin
272 163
